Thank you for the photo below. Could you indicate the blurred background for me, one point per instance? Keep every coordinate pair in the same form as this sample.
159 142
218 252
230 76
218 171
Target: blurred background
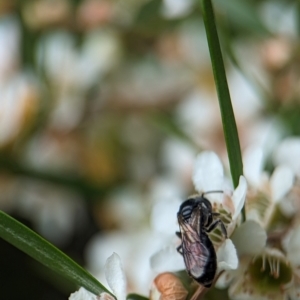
104 105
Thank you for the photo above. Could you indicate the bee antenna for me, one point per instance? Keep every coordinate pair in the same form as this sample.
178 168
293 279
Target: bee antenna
211 192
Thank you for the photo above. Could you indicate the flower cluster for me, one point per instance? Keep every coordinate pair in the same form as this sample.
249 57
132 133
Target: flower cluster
267 242
259 259
266 245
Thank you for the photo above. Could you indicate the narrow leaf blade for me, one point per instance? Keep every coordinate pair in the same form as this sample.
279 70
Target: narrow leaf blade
228 119
41 250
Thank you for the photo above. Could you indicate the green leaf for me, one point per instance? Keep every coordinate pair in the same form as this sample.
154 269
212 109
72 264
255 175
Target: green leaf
136 297
228 119
243 14
37 247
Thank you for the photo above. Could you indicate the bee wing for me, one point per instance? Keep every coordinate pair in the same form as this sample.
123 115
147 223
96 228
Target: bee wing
195 253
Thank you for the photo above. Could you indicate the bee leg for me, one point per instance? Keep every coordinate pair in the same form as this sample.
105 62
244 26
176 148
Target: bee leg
178 234
215 224
179 249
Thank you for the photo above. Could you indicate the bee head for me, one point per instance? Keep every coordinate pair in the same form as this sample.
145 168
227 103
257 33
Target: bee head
187 207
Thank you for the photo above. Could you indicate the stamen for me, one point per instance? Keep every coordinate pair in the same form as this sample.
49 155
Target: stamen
274 269
263 263
270 265
277 269
274 264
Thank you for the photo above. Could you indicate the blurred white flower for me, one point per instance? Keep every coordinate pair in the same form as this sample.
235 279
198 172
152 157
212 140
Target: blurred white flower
9 46
287 153
42 14
71 70
198 116
19 103
285 16
176 8
55 212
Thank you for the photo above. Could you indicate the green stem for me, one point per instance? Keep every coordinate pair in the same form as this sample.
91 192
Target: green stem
228 120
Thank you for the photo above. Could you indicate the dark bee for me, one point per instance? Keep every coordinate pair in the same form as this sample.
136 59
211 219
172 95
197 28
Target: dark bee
196 219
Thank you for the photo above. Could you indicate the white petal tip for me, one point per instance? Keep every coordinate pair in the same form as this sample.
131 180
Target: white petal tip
239 196
167 260
227 256
208 172
82 294
115 276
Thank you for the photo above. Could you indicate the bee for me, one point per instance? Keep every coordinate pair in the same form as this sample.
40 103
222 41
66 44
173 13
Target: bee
196 218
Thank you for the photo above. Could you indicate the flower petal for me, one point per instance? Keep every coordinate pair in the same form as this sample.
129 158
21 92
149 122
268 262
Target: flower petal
227 257
167 260
288 153
249 239
281 182
115 276
82 294
224 279
253 162
239 197
292 246
208 172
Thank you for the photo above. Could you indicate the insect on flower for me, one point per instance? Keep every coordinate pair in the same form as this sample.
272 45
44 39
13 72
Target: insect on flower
196 219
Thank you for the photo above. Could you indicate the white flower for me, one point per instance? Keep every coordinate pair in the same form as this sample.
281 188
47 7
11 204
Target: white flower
208 173
268 256
266 192
264 272
209 176
249 240
176 8
268 275
115 278
288 153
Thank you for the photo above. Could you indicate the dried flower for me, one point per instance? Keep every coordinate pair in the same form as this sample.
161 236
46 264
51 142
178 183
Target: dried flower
167 286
